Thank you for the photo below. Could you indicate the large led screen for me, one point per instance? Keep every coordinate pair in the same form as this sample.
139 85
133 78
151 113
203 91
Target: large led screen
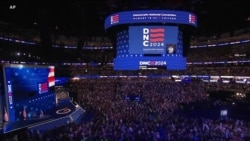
152 39
165 51
28 89
151 16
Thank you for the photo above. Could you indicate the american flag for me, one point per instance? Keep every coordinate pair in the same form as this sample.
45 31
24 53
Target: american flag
43 87
156 35
192 19
51 76
114 19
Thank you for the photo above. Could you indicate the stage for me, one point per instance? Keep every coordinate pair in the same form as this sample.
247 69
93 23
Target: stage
63 113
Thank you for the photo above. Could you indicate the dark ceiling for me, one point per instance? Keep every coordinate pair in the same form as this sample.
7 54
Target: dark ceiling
86 17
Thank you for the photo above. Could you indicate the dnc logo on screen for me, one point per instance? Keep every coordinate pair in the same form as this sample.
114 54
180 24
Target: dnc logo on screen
153 37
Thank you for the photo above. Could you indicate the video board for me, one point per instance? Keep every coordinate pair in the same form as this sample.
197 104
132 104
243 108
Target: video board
29 89
134 50
152 39
151 16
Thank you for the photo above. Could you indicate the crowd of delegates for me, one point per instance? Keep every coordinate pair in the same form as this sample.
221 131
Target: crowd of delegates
228 86
236 52
221 69
232 50
144 109
227 70
238 35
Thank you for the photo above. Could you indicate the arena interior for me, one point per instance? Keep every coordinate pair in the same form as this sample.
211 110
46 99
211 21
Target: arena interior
207 101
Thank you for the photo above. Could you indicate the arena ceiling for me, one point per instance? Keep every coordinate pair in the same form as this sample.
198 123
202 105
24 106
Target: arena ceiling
86 17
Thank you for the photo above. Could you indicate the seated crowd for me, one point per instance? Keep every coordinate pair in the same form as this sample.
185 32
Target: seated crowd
134 109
